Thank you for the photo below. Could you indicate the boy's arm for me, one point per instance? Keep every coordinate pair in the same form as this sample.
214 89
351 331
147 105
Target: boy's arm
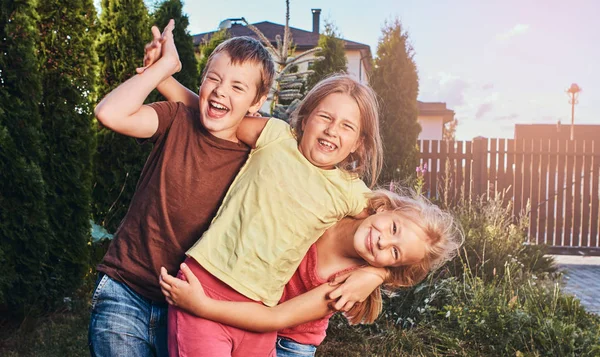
174 91
122 110
189 295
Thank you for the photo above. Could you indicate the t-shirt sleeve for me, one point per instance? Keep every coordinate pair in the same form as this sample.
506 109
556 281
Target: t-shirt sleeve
166 111
275 129
357 198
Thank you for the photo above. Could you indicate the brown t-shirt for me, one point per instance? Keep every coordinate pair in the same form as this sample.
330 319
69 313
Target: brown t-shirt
179 191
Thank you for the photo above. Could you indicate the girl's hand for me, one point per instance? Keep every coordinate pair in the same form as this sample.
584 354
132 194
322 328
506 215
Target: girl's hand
161 46
355 287
186 294
152 50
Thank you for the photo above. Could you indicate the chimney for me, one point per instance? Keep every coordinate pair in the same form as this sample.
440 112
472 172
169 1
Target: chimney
316 19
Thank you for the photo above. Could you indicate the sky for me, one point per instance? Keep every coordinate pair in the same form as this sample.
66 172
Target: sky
495 63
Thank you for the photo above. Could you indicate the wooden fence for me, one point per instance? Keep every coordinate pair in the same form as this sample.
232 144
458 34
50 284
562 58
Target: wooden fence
558 178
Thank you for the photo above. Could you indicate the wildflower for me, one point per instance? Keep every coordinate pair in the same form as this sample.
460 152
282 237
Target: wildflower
448 314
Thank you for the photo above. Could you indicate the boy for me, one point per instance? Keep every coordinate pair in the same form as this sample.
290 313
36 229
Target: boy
195 157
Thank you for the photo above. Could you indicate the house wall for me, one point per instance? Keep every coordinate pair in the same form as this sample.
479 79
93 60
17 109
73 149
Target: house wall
431 127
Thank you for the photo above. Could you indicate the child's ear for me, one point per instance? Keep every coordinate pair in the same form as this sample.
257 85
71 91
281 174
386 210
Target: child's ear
380 209
256 106
356 146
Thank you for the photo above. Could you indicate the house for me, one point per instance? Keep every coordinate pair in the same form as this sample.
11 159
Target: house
357 54
557 131
433 117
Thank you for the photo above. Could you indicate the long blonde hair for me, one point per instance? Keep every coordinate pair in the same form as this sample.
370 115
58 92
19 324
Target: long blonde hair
367 160
443 238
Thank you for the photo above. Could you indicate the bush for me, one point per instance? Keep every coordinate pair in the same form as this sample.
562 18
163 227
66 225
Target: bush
498 298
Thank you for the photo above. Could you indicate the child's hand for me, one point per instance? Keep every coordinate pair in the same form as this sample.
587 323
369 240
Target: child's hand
187 294
355 287
162 48
152 50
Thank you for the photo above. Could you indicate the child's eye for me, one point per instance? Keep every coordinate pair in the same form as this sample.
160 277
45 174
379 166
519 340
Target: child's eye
214 79
326 117
394 228
348 126
238 88
396 253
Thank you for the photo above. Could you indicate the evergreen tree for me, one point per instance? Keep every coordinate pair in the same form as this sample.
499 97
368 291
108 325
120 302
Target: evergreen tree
68 70
333 53
173 9
24 233
125 30
208 48
396 82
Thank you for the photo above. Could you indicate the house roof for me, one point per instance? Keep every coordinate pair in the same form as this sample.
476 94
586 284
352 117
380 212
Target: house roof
435 109
304 40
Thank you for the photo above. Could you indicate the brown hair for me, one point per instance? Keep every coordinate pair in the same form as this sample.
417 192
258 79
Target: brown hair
246 49
443 235
367 160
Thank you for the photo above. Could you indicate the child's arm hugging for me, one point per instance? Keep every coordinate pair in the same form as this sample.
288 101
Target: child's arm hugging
123 109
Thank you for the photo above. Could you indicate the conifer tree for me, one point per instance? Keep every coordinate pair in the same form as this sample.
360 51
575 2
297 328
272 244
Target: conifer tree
333 53
396 82
209 47
24 233
68 60
173 9
118 161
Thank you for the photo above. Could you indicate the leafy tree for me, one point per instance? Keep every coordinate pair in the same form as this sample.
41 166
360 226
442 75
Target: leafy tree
68 70
24 233
208 48
125 30
396 82
333 53
173 9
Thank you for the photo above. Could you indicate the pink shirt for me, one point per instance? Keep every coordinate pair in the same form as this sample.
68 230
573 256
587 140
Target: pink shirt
304 279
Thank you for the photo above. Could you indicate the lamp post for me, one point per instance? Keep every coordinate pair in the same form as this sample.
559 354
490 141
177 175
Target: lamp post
573 93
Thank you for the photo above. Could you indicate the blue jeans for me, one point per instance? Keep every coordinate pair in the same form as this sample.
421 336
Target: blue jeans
290 348
123 323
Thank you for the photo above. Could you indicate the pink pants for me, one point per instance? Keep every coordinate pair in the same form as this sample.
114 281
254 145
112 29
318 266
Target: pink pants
193 336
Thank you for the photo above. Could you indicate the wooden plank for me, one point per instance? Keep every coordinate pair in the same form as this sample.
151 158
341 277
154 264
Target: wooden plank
426 150
586 193
568 227
527 174
468 171
492 187
595 204
543 192
442 170
577 183
432 169
518 177
561 168
553 150
501 171
509 177
534 189
460 177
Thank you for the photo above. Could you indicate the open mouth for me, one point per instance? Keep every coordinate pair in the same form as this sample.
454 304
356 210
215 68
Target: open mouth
216 109
326 145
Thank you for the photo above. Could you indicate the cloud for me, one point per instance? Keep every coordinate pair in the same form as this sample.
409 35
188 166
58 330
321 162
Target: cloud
509 117
445 87
483 110
516 30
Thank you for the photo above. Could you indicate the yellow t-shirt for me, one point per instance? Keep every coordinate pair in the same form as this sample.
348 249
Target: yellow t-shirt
277 206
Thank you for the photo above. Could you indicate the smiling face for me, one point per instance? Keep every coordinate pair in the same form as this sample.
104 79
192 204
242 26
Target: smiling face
331 131
388 239
227 94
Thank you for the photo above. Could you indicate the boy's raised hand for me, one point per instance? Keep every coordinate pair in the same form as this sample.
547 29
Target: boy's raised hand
161 46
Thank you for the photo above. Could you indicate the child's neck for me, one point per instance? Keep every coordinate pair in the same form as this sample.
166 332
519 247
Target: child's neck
335 248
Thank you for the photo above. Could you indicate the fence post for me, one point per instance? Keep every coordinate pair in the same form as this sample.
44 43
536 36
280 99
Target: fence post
480 166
